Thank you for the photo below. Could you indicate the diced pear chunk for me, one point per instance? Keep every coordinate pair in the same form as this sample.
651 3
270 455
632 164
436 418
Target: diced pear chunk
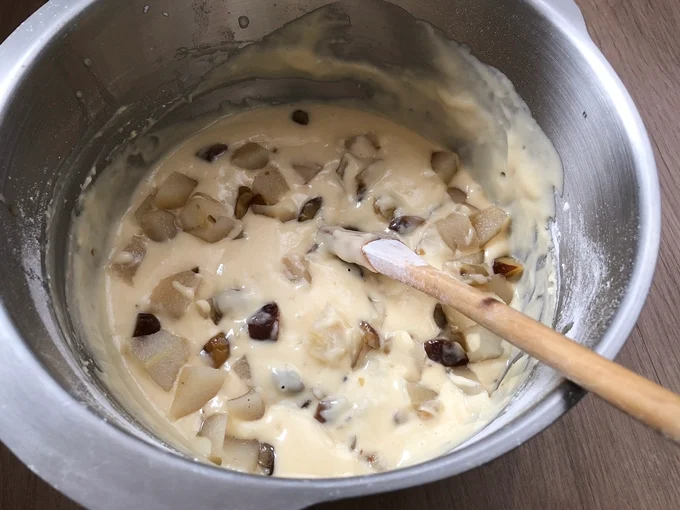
384 206
349 171
159 226
126 262
240 454
407 354
271 185
445 164
173 294
214 428
419 393
251 156
457 232
224 227
296 268
287 380
175 191
457 195
364 146
146 206
499 286
489 222
307 171
457 319
209 220
234 302
476 257
284 211
195 386
241 368
424 400
248 407
481 344
162 355
330 339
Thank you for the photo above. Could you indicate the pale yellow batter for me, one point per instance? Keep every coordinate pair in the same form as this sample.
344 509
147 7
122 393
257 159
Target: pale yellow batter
328 395
347 380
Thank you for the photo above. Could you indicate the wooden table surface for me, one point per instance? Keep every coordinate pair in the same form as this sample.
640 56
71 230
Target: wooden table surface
595 457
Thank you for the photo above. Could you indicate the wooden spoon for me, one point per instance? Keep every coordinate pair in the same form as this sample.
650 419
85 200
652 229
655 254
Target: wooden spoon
641 398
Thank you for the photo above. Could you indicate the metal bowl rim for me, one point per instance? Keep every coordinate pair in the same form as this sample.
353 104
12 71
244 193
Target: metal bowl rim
16 55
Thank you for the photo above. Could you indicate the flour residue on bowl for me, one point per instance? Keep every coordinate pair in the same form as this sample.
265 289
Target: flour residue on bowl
453 103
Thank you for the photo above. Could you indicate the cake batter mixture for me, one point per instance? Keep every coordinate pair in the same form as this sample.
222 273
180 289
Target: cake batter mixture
267 353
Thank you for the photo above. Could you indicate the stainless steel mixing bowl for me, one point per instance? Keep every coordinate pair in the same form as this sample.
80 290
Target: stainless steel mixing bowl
64 76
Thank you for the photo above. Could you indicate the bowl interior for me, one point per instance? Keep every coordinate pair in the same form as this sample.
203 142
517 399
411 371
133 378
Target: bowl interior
117 64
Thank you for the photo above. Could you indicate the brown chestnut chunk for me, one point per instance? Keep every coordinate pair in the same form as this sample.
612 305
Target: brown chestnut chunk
405 224
266 458
175 191
243 201
446 352
218 349
439 316
146 324
508 267
371 336
212 153
310 209
330 409
264 324
300 117
251 156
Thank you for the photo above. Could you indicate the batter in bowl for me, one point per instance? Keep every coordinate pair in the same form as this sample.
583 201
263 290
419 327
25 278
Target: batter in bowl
266 353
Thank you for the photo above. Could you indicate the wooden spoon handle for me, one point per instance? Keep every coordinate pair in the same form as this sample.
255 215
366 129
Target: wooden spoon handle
639 397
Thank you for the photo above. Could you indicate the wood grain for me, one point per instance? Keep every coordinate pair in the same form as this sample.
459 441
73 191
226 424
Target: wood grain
595 457
641 398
